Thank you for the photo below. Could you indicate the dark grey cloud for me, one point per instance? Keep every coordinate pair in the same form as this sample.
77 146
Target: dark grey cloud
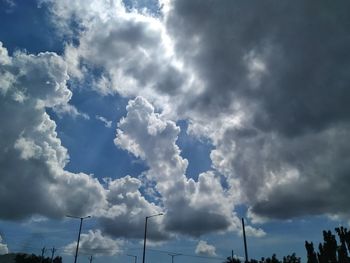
303 45
127 209
321 161
283 177
281 68
195 223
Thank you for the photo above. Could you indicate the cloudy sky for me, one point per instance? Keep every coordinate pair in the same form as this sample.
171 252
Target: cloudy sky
206 111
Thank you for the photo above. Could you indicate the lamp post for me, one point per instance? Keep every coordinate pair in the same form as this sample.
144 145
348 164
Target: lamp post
174 255
133 257
245 242
145 236
81 223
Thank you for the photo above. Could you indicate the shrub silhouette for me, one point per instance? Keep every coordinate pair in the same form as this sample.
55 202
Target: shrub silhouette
25 258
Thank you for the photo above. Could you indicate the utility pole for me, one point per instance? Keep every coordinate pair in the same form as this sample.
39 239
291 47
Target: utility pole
42 254
245 242
90 258
53 250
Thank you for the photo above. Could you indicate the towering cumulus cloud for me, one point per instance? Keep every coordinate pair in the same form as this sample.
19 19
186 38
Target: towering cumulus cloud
204 204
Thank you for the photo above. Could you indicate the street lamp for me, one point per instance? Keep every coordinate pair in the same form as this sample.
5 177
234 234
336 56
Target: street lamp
145 236
133 257
174 255
81 223
245 242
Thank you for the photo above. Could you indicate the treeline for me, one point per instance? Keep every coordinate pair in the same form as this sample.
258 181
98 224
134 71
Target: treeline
287 259
25 258
333 249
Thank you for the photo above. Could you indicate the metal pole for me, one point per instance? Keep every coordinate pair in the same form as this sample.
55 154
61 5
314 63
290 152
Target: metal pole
144 241
245 242
145 235
77 248
81 223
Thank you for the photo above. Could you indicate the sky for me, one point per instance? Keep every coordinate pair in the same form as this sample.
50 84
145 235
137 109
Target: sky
205 111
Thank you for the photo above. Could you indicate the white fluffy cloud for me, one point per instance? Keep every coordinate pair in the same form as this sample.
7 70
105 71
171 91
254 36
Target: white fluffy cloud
133 51
203 248
33 179
3 247
31 150
32 158
95 243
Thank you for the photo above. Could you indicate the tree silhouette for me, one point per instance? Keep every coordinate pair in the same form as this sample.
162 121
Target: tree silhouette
291 259
311 255
330 251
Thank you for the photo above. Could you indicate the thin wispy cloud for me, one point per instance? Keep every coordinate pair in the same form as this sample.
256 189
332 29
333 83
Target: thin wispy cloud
107 123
